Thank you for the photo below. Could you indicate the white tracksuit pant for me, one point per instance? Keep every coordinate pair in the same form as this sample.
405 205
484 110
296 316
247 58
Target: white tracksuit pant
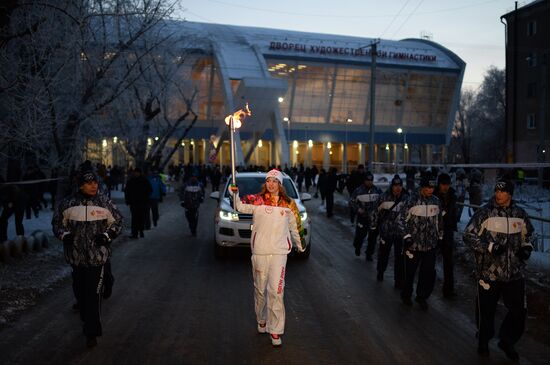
269 275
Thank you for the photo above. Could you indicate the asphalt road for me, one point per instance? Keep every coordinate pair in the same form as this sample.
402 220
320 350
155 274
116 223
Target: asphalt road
174 303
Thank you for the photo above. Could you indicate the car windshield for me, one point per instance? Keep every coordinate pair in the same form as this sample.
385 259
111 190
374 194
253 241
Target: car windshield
253 185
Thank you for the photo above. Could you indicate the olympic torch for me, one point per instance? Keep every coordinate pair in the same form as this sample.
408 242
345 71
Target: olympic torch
235 121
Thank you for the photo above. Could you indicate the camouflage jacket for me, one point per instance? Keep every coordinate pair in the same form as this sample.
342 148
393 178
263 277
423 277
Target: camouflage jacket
85 217
365 198
421 219
388 214
509 226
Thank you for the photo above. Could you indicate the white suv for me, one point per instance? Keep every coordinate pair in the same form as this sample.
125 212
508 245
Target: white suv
233 229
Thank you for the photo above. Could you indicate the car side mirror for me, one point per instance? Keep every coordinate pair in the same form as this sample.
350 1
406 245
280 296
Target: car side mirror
305 197
215 195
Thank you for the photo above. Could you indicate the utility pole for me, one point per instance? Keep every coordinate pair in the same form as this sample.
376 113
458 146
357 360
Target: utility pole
373 54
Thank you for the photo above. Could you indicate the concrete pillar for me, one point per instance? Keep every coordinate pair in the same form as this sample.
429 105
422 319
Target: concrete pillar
186 152
362 153
204 152
428 154
326 157
344 162
180 153
195 152
309 155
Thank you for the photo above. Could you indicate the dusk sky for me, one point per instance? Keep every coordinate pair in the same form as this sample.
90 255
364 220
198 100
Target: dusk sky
471 29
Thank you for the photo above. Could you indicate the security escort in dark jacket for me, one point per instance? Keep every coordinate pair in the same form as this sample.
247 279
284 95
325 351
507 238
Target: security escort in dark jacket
447 198
501 237
136 195
364 200
191 196
422 224
390 204
87 222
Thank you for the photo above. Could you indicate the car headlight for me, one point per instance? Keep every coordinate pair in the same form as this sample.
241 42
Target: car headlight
303 216
229 216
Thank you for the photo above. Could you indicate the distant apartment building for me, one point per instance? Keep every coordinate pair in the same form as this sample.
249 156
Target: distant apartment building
528 82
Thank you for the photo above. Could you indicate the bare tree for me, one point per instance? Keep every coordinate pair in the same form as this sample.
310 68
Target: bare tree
162 100
64 63
478 133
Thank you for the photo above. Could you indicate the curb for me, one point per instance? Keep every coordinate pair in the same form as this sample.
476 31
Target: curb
20 245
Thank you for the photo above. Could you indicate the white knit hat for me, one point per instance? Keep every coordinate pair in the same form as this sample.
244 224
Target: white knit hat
276 174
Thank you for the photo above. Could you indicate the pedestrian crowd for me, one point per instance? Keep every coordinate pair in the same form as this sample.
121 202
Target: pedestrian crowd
416 223
420 224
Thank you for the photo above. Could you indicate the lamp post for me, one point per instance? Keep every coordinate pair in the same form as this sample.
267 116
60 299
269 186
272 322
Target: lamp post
287 120
349 120
235 121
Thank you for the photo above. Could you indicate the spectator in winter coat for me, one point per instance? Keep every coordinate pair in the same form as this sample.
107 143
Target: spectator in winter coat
501 237
332 182
354 181
34 191
447 199
13 201
474 189
191 196
158 190
87 222
136 195
364 201
322 185
390 205
460 188
422 226
277 223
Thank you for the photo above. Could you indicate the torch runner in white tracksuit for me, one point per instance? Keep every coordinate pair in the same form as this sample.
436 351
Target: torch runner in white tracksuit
276 226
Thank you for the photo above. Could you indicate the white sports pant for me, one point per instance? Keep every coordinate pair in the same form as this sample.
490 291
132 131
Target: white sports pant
268 272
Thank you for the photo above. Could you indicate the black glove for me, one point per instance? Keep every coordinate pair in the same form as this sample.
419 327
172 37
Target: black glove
407 243
68 240
524 252
101 240
498 249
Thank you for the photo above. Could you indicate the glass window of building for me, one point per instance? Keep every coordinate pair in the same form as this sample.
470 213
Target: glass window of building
351 94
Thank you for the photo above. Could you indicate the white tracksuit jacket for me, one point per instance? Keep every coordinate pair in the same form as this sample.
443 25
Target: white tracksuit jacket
274 229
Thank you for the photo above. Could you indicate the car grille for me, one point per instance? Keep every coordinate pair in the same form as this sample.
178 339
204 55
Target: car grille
226 231
245 233
246 217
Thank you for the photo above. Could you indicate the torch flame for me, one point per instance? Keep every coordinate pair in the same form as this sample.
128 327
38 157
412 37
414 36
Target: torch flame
238 117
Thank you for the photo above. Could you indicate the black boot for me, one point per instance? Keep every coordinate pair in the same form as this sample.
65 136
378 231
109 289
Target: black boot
510 352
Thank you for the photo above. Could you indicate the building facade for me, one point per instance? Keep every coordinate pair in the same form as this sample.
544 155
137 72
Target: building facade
310 96
527 82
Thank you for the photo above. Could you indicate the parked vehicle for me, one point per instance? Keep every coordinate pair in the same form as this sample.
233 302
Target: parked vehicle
234 229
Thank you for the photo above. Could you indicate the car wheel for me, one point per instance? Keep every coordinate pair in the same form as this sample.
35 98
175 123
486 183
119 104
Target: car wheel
219 251
304 255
